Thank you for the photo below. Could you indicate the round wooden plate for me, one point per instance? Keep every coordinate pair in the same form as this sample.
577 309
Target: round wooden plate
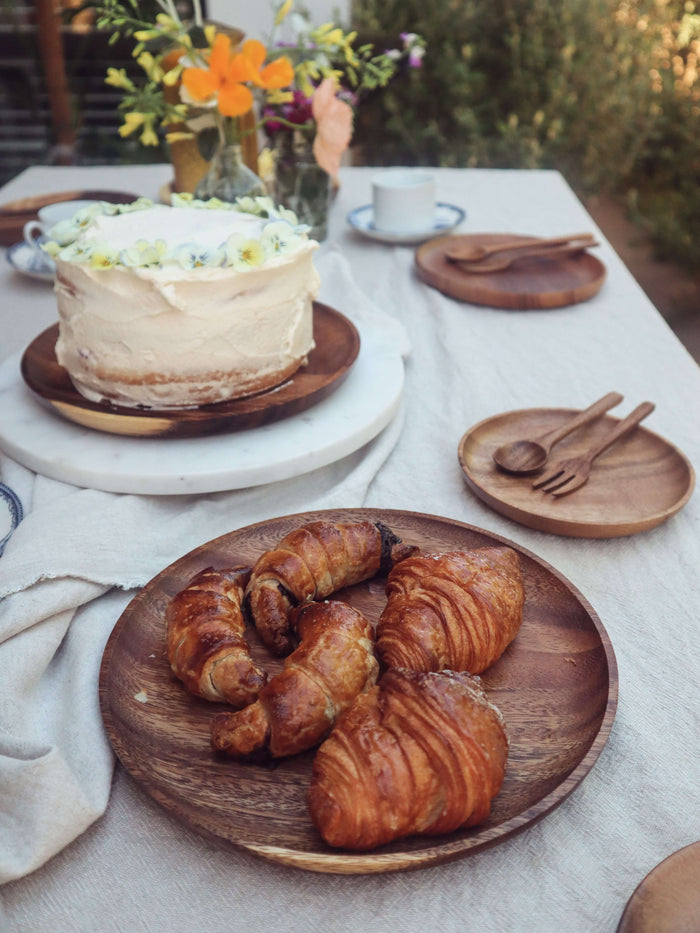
528 284
635 485
556 686
337 346
668 899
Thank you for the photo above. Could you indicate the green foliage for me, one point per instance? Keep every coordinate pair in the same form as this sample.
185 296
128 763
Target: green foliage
603 90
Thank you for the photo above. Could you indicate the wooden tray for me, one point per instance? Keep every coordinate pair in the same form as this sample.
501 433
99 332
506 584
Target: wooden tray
529 284
668 899
337 346
15 214
556 686
635 485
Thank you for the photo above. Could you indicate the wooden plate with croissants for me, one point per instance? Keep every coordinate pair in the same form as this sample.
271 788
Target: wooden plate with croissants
555 685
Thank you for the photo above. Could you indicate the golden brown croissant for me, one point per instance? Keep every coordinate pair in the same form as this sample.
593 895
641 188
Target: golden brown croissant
309 564
419 753
204 638
333 663
457 611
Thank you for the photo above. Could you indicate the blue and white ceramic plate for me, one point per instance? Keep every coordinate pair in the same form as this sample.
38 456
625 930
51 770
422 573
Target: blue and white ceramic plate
11 514
447 217
31 262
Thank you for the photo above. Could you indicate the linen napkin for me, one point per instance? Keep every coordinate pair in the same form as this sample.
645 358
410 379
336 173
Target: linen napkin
68 571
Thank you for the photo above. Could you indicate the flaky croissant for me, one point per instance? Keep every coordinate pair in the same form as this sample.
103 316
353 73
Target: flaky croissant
205 638
334 663
457 611
311 563
418 754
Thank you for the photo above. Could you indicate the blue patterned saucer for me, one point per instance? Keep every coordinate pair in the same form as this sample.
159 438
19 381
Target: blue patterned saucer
447 217
31 262
11 514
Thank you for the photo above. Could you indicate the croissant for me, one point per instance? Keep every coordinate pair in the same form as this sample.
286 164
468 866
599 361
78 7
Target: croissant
419 753
334 663
457 611
311 563
204 638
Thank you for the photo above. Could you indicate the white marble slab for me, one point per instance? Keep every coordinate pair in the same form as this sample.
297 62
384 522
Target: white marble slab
351 416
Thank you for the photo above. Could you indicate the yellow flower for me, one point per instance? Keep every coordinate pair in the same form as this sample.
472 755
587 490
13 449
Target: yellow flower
148 137
283 11
117 77
102 260
150 66
132 121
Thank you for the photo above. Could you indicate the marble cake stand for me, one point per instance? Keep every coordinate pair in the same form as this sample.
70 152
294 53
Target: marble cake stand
351 416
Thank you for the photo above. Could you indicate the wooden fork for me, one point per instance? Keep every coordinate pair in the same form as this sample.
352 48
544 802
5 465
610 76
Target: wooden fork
571 474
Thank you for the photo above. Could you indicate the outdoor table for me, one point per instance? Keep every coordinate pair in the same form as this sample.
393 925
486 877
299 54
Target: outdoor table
83 847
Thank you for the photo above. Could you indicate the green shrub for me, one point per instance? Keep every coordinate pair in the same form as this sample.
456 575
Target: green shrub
606 91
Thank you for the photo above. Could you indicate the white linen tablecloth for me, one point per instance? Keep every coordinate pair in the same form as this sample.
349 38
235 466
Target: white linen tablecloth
82 848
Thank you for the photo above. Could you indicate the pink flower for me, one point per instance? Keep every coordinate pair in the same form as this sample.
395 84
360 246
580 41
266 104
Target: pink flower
333 127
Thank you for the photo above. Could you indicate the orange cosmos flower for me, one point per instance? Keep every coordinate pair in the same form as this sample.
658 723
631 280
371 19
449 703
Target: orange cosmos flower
227 75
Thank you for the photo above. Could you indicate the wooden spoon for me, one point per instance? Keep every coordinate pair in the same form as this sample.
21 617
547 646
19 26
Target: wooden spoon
465 253
529 455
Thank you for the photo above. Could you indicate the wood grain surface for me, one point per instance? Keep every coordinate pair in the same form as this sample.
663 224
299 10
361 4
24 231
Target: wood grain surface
528 284
15 214
556 686
637 484
668 899
337 346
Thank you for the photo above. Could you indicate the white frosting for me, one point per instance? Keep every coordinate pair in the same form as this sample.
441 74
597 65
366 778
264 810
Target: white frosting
167 336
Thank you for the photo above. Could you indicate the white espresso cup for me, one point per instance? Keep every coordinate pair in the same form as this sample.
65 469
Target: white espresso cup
403 201
49 216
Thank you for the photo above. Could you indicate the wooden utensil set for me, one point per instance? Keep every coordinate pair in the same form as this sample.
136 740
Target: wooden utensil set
481 260
570 473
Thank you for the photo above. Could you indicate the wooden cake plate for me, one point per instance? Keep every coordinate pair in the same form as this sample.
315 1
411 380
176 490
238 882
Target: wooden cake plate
337 346
635 485
15 214
528 284
556 686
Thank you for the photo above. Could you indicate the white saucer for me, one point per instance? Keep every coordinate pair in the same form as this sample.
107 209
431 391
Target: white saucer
364 404
30 262
447 217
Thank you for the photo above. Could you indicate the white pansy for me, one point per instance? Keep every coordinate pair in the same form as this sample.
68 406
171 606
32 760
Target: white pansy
64 232
279 237
194 256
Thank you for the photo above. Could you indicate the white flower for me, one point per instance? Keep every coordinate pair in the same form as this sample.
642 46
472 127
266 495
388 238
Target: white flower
278 237
64 232
143 253
192 256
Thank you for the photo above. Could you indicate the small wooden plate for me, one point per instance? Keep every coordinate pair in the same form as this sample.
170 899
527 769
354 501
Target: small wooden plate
668 899
337 346
556 686
635 485
527 285
15 214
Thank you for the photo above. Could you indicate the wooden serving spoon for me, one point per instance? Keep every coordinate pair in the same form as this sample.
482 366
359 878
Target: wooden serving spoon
465 253
529 455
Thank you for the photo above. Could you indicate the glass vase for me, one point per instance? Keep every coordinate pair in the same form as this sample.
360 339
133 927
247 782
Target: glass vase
300 183
228 177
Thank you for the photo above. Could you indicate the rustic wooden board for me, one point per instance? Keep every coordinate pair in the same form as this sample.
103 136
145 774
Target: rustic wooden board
528 284
556 686
15 214
637 484
337 345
